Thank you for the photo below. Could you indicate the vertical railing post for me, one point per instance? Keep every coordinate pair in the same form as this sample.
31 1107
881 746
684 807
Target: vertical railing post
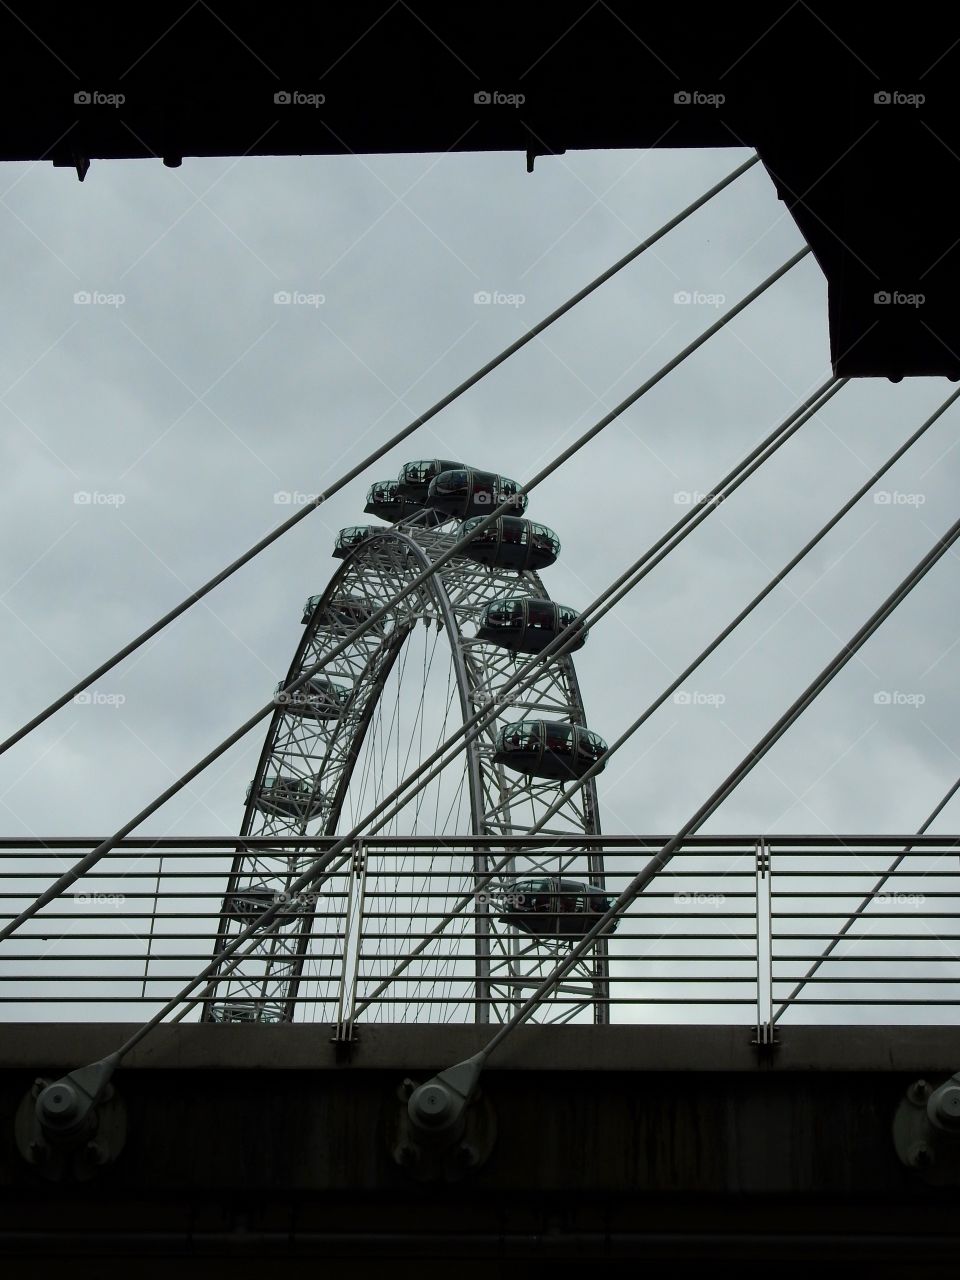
352 946
596 865
763 893
481 919
150 933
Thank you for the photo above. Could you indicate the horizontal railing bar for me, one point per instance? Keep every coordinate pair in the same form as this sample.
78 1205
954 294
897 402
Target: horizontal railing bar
83 911
126 936
846 843
428 873
372 915
467 999
875 918
422 961
502 960
449 863
854 981
218 856
619 936
858 937
880 896
164 957
835 959
381 894
778 958
848 979
641 958
141 957
463 957
151 979
414 982
374 895
156 915
154 979
858 1000
863 873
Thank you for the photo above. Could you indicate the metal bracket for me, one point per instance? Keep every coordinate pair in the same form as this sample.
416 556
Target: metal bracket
763 859
541 150
73 160
765 1037
344 1041
926 1131
72 1126
444 1128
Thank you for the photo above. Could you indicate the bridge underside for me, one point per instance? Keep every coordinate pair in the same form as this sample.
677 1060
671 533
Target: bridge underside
252 1146
869 182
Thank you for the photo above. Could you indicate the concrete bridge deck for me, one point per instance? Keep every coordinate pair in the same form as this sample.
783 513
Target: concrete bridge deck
255 1147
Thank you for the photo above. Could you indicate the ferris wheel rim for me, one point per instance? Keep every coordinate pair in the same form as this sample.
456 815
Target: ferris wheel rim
352 571
454 636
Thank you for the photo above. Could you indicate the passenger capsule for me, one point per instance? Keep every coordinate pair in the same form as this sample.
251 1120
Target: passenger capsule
244 1011
319 698
342 611
250 904
288 797
527 625
512 543
465 492
554 908
350 538
385 500
415 477
548 749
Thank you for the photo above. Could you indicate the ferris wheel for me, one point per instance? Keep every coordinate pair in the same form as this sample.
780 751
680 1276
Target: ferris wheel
351 733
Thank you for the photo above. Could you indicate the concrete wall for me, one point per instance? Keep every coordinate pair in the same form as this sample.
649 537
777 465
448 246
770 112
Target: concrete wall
672 1143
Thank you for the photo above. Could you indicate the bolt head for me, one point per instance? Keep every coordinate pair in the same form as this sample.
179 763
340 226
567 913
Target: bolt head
430 1105
919 1092
943 1107
920 1156
467 1155
37 1152
58 1106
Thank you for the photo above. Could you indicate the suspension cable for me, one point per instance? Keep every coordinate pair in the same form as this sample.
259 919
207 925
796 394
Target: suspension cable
730 783
864 905
678 681
667 851
378 453
745 612
471 728
310 876
74 873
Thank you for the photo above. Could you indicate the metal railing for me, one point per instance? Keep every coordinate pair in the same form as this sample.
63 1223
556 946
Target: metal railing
737 929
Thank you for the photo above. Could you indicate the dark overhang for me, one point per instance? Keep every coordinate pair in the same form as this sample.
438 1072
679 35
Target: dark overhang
853 114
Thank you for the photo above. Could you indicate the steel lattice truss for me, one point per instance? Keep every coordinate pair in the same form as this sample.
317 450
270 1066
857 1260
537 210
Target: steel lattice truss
329 950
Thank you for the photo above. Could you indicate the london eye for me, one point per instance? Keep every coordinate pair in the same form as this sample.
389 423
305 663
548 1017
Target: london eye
336 743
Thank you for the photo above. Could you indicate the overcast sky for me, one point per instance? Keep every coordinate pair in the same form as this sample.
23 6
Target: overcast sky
196 399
